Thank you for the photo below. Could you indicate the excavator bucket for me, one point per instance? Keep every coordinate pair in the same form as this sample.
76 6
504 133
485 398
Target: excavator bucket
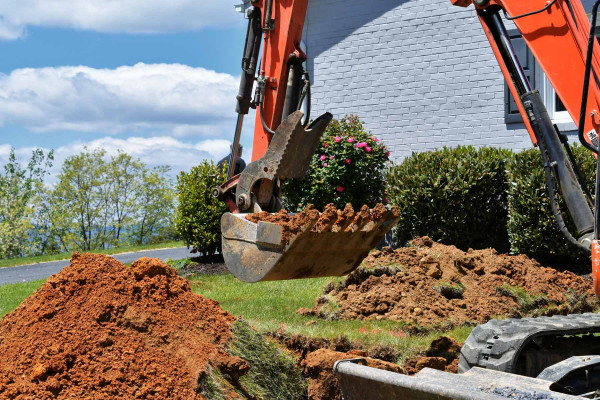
269 247
259 246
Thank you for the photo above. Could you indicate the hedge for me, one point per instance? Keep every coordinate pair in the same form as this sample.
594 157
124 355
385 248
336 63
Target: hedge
198 215
487 197
532 228
456 196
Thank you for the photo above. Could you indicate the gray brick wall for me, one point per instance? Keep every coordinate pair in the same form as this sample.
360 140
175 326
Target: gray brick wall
420 73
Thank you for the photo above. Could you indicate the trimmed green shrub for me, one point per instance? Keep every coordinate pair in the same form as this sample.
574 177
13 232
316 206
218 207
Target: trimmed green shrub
532 228
456 196
348 167
198 215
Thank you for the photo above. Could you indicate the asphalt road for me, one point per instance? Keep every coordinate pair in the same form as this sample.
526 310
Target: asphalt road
26 273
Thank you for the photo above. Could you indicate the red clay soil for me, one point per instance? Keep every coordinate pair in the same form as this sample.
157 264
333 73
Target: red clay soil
322 383
407 285
331 219
101 330
443 354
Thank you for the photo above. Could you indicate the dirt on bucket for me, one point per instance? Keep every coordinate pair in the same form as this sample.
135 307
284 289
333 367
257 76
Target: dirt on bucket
331 219
431 284
102 330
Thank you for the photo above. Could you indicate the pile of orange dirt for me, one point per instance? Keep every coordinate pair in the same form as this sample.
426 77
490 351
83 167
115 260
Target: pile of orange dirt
102 330
331 219
431 284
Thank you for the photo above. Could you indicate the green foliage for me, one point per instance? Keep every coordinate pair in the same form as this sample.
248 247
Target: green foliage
526 301
454 195
20 194
532 228
110 202
198 215
348 167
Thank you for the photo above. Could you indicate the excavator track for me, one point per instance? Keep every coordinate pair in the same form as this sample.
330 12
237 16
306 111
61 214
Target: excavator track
529 345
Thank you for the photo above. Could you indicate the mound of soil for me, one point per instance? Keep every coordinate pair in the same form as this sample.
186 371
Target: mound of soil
100 329
431 284
331 219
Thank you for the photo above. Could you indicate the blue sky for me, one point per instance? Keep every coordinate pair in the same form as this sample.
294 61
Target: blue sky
152 78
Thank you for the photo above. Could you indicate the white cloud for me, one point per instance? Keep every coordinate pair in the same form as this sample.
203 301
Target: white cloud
169 98
161 150
115 16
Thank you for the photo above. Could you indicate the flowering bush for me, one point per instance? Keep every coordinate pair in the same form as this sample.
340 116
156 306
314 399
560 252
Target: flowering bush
348 167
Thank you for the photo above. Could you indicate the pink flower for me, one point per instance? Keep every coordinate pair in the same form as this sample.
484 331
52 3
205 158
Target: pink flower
386 200
387 154
350 140
323 157
325 145
348 161
361 144
331 157
338 139
368 149
325 164
375 140
340 189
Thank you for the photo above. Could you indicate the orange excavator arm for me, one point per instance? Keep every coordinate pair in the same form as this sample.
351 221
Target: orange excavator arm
558 34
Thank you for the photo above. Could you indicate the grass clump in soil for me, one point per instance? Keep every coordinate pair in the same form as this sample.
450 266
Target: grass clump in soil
273 373
527 302
450 290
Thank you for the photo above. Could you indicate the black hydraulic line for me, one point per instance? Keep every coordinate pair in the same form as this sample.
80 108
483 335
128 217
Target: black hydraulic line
262 120
244 97
565 141
553 152
508 17
562 226
586 84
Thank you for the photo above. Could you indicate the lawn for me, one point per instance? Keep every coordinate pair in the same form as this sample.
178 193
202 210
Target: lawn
272 306
65 256
12 295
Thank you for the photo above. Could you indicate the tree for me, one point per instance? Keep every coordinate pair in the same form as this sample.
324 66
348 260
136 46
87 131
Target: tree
156 201
19 189
125 172
80 192
100 203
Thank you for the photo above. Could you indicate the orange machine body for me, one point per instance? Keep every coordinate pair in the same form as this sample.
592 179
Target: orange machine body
279 42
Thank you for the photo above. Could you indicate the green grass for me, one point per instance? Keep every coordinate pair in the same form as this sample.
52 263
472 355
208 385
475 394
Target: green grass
13 294
65 256
272 306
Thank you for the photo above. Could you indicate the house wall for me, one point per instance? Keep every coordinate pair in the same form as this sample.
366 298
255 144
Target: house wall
420 73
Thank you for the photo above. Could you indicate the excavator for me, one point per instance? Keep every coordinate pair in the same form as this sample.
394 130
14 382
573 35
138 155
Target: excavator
531 358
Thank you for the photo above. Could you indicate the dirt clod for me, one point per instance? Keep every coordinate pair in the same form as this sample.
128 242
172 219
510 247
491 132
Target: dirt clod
322 383
430 284
101 330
